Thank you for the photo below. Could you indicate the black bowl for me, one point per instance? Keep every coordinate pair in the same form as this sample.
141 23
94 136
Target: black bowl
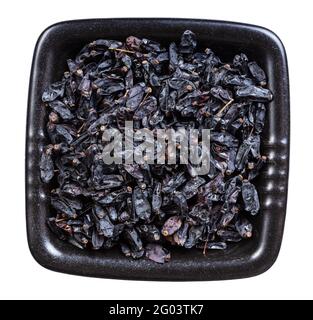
245 259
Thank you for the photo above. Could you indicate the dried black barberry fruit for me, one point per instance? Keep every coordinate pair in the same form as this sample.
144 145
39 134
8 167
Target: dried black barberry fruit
146 208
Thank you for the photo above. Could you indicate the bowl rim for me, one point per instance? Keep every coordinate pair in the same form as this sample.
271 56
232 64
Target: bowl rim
45 254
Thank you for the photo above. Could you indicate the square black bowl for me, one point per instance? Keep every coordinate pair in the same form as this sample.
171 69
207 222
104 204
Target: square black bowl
248 258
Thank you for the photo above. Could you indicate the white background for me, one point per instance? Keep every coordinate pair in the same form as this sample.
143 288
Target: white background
21 22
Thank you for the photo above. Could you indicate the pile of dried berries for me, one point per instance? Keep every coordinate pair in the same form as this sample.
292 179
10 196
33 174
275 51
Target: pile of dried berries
147 208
